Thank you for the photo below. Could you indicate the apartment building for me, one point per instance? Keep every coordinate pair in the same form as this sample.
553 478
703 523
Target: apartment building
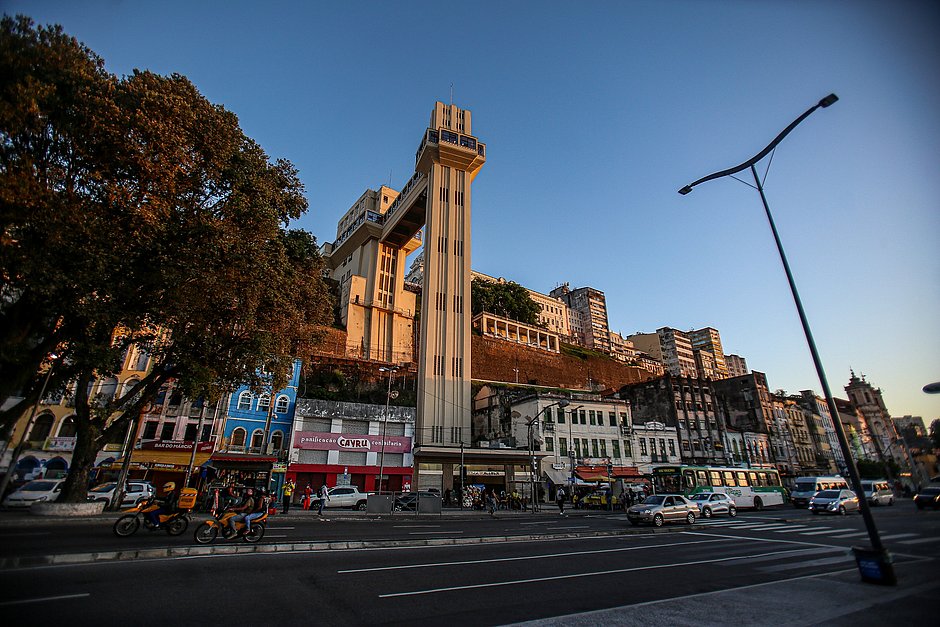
736 365
670 346
708 340
587 309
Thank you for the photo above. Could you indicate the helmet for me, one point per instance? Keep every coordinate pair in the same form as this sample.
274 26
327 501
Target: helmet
169 486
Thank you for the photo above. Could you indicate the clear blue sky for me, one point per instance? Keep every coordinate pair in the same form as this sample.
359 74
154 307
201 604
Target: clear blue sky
594 115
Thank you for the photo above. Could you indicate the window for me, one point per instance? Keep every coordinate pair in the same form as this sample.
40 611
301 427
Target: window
280 407
615 445
166 433
67 428
577 447
42 427
150 430
257 438
742 479
643 446
277 440
191 432
550 445
672 448
244 400
206 433
563 447
238 437
548 416
591 417
728 477
561 416
627 449
603 448
583 416
264 401
584 446
662 448
716 478
612 418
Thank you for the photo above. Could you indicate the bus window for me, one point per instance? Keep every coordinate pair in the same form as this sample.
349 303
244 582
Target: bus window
716 479
689 479
773 479
729 479
742 479
702 478
763 479
752 477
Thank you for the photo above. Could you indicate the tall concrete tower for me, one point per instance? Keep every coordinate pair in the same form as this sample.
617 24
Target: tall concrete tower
438 197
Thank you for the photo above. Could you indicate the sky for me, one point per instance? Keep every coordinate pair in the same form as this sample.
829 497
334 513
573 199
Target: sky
594 115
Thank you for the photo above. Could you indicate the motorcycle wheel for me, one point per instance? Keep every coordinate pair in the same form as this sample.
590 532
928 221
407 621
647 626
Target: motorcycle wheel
126 525
177 526
206 533
257 532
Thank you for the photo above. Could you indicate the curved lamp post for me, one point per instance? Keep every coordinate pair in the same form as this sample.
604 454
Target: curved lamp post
388 397
530 423
880 571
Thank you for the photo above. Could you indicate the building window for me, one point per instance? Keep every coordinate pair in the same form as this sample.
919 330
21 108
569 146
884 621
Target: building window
627 449
583 416
191 430
244 400
206 433
238 437
594 449
643 447
548 417
257 439
612 416
672 448
167 432
550 445
264 401
591 417
283 402
563 447
603 448
277 440
150 430
615 445
561 416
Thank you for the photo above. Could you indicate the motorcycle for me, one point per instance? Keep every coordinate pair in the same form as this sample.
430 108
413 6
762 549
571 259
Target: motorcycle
212 528
174 523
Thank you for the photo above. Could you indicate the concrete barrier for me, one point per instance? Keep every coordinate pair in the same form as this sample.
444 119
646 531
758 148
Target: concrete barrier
66 509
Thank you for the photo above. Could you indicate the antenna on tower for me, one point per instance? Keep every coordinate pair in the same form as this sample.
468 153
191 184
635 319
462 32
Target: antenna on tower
389 178
451 94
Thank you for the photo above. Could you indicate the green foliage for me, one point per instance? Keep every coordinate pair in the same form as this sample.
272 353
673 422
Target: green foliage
137 205
506 299
935 433
874 469
572 350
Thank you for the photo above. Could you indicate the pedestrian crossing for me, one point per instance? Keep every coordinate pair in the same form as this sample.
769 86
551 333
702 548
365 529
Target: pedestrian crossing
813 531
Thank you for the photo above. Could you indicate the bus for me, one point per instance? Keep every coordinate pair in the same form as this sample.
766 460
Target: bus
749 487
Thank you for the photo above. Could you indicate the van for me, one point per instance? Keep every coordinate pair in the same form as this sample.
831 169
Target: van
805 487
878 492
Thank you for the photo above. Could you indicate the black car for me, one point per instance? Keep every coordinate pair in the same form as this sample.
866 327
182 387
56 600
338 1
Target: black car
928 497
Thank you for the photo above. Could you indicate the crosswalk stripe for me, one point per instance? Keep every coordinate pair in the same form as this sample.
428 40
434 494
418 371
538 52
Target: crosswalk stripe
919 540
854 534
821 531
794 529
898 535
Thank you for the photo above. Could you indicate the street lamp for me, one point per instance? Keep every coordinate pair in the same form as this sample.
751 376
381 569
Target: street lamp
875 568
574 412
388 396
530 423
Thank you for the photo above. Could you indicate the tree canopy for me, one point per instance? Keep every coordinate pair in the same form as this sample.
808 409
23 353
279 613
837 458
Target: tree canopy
506 299
134 212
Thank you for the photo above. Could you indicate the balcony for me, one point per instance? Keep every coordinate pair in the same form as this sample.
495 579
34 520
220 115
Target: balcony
452 149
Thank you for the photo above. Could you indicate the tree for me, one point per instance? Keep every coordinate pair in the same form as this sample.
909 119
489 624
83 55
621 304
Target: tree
935 433
179 223
506 299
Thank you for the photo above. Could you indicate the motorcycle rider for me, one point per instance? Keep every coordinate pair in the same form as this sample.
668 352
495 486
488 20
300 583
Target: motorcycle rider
260 507
168 503
246 507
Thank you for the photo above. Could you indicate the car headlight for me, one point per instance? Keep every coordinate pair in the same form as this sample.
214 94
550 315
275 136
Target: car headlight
833 505
42 498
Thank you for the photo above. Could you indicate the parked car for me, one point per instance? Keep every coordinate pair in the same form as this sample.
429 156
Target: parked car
408 502
834 502
661 508
343 496
134 493
712 503
36 491
878 492
928 497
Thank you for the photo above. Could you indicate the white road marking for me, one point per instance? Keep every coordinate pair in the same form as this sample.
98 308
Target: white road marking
826 561
416 526
920 541
598 573
821 531
899 535
851 534
45 599
528 557
581 527
423 533
792 529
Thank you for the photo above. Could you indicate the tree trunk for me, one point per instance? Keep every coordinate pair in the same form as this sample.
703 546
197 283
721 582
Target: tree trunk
86 450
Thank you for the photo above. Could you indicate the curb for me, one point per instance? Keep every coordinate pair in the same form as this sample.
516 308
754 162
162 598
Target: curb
35 561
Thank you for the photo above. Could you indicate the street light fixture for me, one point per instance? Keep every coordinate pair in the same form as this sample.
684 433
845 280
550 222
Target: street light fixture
530 423
875 565
574 412
388 396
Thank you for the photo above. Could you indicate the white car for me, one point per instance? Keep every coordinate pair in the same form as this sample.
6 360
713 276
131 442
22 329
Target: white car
135 492
36 491
711 503
343 496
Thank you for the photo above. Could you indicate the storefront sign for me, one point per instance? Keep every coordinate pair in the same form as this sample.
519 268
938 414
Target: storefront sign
60 444
279 467
312 440
176 445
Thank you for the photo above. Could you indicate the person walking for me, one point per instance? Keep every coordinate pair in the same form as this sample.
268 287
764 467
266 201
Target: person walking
288 494
308 496
324 497
560 500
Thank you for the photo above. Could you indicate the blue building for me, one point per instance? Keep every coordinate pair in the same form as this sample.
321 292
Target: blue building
245 456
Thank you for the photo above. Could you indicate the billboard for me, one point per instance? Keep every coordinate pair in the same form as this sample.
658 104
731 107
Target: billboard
358 442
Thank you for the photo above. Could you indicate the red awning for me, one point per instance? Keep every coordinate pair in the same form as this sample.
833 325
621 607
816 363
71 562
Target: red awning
599 473
234 457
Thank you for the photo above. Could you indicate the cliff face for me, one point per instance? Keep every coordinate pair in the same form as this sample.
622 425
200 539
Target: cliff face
496 360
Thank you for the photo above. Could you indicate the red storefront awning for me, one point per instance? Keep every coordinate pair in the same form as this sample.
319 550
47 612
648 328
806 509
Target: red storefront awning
599 473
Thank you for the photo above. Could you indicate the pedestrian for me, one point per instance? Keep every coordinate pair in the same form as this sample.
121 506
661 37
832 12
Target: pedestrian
288 494
308 496
324 497
491 501
560 499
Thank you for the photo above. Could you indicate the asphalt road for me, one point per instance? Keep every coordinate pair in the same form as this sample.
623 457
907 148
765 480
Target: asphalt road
756 569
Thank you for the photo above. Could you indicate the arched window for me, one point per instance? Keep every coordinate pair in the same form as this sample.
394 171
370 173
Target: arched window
277 440
238 437
67 428
257 438
280 407
244 400
42 427
106 391
264 401
129 385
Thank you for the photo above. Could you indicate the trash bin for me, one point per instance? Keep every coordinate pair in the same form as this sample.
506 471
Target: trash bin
379 503
875 566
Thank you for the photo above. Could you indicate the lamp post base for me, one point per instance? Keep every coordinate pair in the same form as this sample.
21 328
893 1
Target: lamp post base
875 566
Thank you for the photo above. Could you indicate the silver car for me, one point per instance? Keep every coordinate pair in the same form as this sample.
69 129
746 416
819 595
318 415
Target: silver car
834 502
712 503
662 508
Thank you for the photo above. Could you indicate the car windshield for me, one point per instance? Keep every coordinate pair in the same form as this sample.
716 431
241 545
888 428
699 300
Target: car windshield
104 487
828 494
930 491
654 500
38 486
701 497
805 486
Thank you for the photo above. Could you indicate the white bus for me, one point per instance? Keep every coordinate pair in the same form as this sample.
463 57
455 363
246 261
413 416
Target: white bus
749 487
806 487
